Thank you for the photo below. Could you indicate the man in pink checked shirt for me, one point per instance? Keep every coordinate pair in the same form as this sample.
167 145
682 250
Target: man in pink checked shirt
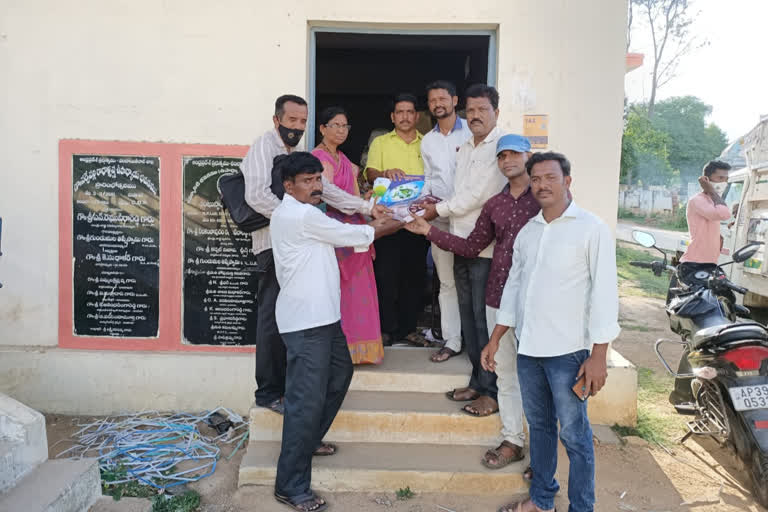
704 212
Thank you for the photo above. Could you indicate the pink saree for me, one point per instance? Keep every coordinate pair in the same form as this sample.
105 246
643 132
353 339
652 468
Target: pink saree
359 301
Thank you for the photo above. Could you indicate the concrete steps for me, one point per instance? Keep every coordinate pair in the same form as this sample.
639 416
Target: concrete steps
396 429
393 417
391 466
409 369
64 485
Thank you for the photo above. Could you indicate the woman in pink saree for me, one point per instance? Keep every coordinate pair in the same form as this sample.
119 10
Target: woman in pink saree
359 302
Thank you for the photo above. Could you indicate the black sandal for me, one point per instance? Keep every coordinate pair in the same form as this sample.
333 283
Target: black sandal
276 406
326 449
304 502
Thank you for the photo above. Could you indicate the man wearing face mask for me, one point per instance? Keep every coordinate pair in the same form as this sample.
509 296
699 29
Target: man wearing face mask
704 212
290 120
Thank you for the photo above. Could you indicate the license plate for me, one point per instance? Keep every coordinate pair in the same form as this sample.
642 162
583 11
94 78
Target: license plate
746 398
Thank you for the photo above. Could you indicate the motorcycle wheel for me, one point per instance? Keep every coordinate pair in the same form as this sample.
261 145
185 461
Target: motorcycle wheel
759 473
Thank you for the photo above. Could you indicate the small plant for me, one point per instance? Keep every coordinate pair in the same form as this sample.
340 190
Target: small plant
405 494
187 502
132 489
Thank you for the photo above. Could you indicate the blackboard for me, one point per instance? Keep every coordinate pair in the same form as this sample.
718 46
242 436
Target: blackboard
116 245
219 304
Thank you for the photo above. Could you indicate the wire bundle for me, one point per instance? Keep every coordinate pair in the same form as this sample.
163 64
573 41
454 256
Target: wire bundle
151 446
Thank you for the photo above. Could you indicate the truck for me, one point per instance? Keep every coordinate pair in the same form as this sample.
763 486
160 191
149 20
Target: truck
747 197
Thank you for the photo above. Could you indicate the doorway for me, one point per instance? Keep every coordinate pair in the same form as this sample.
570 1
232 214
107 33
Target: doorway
363 70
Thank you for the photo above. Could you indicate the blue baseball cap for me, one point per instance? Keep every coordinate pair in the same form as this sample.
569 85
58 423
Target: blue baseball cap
513 142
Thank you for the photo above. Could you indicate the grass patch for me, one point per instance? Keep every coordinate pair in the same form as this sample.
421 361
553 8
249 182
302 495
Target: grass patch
640 279
132 489
638 328
187 502
657 421
675 221
405 494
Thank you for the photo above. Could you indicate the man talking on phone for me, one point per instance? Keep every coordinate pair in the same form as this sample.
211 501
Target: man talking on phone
562 300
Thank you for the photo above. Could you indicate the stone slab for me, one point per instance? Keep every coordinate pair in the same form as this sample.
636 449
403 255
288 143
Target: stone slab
387 467
23 441
393 417
63 485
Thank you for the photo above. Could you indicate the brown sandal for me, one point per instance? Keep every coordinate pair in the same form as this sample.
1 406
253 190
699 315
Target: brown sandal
326 449
417 340
501 459
472 395
443 355
481 407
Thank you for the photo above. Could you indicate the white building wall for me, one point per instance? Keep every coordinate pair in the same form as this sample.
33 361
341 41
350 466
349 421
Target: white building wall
208 72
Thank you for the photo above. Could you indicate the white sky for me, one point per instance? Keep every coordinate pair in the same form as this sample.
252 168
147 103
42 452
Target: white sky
731 74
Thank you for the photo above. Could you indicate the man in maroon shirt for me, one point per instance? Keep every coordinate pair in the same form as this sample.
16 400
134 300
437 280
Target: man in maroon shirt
502 217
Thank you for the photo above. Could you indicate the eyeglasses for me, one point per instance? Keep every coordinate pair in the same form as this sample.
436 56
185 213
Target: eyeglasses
336 126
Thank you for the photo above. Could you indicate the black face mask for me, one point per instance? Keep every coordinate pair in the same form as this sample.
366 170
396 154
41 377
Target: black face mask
290 136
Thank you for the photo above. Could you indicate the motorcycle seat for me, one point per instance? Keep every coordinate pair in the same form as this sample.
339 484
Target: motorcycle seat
728 333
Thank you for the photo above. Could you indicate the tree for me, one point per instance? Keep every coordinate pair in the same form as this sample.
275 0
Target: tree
692 141
669 23
644 157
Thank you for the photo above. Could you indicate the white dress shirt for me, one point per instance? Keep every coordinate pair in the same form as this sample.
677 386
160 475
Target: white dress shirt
562 293
303 240
257 171
438 152
477 180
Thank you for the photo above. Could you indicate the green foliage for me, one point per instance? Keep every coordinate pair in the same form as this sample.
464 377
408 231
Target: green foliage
405 494
692 141
132 489
187 502
657 421
644 156
675 142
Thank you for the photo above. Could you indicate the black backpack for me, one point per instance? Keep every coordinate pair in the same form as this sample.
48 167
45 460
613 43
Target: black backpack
231 188
232 191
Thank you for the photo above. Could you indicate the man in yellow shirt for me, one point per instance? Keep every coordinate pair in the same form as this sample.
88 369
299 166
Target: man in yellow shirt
401 258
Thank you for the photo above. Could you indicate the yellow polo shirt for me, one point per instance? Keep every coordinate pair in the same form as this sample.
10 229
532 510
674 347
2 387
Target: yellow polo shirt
389 151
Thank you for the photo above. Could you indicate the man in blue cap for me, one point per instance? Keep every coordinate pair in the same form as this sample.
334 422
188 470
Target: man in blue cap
501 218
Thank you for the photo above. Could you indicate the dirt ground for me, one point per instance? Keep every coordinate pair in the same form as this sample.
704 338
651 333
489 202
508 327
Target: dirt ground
698 476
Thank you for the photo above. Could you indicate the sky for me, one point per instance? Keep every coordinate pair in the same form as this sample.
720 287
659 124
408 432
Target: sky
730 73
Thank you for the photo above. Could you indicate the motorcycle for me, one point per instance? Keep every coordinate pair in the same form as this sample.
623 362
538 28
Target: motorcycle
726 358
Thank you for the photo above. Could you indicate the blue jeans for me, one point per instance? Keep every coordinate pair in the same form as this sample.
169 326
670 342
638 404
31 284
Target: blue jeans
545 383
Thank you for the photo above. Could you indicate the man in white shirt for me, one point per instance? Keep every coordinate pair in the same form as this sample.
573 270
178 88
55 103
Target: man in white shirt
561 298
477 180
289 121
438 152
308 314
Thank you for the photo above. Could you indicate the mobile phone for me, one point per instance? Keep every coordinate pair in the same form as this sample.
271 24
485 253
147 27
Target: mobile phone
580 390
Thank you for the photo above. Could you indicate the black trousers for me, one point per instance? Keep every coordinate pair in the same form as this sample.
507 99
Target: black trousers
319 372
270 351
401 268
471 276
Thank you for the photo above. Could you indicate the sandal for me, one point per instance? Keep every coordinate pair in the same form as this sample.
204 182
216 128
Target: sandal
326 449
528 474
310 502
456 395
443 355
481 407
276 406
501 459
517 506
418 340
